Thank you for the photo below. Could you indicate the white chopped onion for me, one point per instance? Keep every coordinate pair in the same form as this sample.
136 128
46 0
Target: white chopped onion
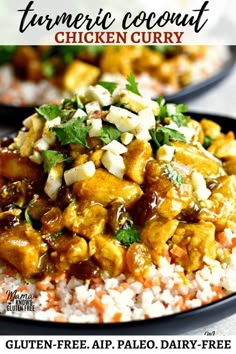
48 135
41 145
126 138
114 164
96 127
116 147
79 173
100 94
79 113
165 153
123 119
54 181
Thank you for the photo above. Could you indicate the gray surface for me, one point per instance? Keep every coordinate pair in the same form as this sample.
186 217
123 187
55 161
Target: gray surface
219 99
226 327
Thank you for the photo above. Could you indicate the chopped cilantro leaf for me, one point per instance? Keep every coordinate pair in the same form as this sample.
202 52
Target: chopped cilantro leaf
128 235
162 135
110 86
162 112
109 132
49 111
174 111
52 158
132 84
207 141
24 211
72 103
175 177
67 102
79 104
73 131
161 101
27 217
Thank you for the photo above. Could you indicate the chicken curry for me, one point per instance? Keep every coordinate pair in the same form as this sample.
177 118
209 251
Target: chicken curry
110 182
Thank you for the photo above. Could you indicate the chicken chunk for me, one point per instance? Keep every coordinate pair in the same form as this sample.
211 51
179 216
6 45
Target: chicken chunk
211 128
69 250
85 218
135 159
197 241
195 158
138 259
108 253
104 188
224 147
226 186
230 165
221 206
171 199
155 236
22 247
17 167
153 171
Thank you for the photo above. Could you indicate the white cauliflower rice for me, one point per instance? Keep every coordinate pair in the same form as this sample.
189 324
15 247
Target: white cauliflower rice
167 290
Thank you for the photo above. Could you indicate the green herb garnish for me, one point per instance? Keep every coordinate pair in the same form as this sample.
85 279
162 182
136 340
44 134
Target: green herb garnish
163 135
174 111
72 103
110 86
27 217
49 111
207 141
175 177
24 211
51 158
132 84
128 235
73 131
109 132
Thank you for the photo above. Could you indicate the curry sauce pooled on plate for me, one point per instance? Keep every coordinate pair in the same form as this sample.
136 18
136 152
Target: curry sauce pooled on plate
116 207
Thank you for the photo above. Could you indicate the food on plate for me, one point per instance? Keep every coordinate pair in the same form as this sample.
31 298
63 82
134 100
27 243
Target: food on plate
32 76
115 207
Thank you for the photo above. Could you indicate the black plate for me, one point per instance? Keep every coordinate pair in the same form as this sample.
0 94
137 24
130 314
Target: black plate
174 324
14 115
